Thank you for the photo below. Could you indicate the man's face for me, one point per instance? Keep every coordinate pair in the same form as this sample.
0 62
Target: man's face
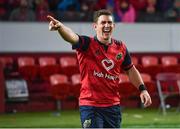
104 28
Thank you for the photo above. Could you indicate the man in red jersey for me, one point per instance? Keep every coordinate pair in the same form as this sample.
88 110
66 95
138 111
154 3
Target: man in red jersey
101 59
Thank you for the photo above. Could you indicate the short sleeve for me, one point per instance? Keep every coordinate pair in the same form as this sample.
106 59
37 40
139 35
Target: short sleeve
127 63
83 43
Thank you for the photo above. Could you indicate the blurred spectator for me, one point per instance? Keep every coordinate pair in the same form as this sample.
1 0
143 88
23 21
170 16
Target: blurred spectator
151 6
139 5
172 14
125 11
31 4
22 13
68 10
71 5
101 4
42 10
87 9
78 10
12 4
164 5
151 13
119 14
177 6
3 9
53 5
111 5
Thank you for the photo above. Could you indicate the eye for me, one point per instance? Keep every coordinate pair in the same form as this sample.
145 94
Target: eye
103 22
110 22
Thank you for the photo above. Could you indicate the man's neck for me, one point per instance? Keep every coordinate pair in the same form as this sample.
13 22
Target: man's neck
103 41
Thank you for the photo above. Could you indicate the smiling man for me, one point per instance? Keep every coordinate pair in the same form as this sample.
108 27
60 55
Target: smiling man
101 59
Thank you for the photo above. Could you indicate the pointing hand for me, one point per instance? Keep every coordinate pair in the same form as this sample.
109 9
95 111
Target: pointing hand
53 23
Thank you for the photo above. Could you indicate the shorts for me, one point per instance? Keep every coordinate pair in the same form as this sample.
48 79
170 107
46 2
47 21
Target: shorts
100 117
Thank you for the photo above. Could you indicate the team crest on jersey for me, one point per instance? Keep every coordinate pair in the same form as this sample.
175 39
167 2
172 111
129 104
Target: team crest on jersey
107 64
119 56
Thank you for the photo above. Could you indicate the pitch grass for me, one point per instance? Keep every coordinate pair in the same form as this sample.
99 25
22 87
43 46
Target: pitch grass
132 118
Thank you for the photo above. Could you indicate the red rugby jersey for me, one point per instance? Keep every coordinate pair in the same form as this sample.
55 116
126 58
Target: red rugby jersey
100 66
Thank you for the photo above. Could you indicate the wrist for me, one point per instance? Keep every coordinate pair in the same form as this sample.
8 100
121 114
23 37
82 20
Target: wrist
142 87
58 26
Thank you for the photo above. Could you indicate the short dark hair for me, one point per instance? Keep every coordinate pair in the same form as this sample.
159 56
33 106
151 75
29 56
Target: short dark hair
98 13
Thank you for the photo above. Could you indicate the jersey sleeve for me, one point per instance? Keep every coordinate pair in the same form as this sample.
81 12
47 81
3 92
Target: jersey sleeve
83 43
127 63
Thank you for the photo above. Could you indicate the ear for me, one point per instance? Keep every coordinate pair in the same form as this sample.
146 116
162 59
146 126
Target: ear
94 25
114 25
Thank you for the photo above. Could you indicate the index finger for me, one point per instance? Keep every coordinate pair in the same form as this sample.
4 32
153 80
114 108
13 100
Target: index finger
50 18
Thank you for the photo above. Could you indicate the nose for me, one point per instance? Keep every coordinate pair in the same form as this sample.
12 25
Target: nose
107 24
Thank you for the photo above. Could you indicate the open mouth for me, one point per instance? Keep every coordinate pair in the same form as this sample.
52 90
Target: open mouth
106 30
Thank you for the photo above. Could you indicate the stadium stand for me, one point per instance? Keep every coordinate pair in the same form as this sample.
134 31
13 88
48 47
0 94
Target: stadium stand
39 84
134 60
152 89
76 84
151 65
40 92
128 93
6 62
2 87
60 87
68 65
47 67
168 85
26 64
80 10
170 64
8 67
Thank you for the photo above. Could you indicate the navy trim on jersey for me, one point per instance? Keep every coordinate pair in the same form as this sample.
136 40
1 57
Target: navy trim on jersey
83 43
127 63
104 45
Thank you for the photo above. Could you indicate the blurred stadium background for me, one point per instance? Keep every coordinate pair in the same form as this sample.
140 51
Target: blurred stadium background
39 77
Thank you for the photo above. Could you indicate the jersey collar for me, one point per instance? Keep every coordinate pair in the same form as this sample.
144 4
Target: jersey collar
96 39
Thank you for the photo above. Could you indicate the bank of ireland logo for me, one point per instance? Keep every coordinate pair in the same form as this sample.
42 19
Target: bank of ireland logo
107 64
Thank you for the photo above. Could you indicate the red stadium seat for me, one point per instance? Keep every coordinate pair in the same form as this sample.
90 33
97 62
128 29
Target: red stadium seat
128 92
27 68
48 66
6 61
146 77
60 87
150 65
169 60
149 61
123 78
76 84
136 63
168 85
134 60
126 88
170 64
8 67
69 65
150 84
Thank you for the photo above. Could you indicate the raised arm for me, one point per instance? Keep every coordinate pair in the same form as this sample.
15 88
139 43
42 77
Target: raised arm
136 80
66 33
